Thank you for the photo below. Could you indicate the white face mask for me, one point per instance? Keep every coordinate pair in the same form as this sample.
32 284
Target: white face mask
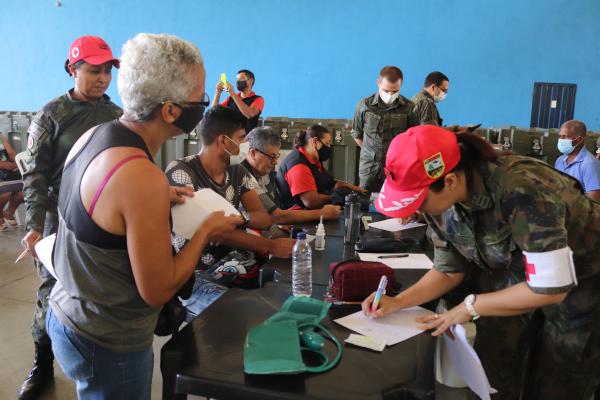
440 97
388 98
241 156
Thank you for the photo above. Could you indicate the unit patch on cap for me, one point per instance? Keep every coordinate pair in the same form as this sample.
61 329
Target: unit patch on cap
434 166
75 52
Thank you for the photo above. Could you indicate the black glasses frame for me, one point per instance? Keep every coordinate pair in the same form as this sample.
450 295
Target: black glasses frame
272 157
205 102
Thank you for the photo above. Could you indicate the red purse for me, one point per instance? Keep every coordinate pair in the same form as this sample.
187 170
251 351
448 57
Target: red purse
355 280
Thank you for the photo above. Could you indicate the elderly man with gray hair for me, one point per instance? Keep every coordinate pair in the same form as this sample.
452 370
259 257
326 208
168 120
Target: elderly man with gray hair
112 256
260 162
576 160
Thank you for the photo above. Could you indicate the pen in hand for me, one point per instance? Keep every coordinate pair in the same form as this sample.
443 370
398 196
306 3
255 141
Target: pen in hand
379 293
393 256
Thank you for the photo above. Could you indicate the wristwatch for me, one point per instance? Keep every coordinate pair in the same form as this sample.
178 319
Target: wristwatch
470 303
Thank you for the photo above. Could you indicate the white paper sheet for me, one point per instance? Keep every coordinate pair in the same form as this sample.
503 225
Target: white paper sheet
392 328
413 261
466 363
43 249
189 215
394 225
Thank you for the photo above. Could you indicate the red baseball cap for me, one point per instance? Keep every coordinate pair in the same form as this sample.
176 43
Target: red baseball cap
91 49
415 159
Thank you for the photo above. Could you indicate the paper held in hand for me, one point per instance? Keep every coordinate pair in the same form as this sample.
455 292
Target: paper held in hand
189 215
44 249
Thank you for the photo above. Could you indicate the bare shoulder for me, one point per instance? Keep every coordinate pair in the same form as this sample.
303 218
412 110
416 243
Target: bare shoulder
143 175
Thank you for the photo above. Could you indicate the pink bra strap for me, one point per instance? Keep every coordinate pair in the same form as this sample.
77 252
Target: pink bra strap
107 178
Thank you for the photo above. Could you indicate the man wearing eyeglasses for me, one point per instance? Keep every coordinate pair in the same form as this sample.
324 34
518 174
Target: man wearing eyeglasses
434 91
377 120
260 162
217 167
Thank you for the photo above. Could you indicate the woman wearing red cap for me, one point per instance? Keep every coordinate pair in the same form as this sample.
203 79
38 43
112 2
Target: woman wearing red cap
52 133
522 239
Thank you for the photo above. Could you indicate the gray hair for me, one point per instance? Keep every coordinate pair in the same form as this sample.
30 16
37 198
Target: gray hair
263 137
155 68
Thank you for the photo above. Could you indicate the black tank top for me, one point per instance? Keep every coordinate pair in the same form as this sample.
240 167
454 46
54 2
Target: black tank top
251 123
77 219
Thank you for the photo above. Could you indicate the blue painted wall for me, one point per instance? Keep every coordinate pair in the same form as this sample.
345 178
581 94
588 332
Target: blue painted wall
318 58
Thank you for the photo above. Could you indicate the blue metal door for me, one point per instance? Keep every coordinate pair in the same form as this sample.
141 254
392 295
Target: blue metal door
552 104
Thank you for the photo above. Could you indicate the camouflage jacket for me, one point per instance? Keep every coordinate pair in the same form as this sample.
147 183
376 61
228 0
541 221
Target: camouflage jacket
52 133
377 123
426 110
524 205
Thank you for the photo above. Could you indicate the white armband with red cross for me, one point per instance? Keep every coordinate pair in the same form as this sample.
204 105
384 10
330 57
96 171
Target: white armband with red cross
550 269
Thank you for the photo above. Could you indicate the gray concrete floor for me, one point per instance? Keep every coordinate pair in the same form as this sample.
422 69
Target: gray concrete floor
18 285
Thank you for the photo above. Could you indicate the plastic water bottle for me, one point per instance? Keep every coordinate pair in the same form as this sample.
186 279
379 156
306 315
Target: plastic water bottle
301 267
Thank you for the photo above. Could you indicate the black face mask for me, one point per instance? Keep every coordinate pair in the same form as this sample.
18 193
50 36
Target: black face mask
190 116
324 152
241 85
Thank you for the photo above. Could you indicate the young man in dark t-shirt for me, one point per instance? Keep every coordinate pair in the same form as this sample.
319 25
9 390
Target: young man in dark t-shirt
217 167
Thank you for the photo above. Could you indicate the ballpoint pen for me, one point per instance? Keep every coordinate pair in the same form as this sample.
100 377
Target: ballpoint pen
393 256
379 293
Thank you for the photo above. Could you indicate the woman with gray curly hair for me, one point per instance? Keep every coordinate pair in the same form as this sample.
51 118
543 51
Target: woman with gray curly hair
112 254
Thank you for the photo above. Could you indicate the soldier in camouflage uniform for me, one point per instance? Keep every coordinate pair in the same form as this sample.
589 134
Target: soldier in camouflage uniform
377 120
525 238
52 133
434 90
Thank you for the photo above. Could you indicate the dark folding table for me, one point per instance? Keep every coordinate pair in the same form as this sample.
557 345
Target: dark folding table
206 358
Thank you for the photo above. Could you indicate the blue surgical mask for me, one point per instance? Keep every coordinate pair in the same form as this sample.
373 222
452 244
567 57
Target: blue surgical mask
565 146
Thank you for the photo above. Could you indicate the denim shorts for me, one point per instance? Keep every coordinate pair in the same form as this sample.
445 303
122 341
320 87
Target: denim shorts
100 373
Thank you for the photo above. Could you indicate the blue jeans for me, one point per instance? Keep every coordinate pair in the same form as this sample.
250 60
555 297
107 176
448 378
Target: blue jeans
204 293
100 373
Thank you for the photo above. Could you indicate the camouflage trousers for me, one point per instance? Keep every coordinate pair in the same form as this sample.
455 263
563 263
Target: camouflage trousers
520 356
38 326
370 175
527 357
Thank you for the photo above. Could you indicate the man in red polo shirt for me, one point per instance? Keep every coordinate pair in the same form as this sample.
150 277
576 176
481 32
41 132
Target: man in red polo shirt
248 103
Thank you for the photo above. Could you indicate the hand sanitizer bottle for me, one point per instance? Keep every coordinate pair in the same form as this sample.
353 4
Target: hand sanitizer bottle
320 236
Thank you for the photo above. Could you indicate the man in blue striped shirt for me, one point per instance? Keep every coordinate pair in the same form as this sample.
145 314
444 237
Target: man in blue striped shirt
576 160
